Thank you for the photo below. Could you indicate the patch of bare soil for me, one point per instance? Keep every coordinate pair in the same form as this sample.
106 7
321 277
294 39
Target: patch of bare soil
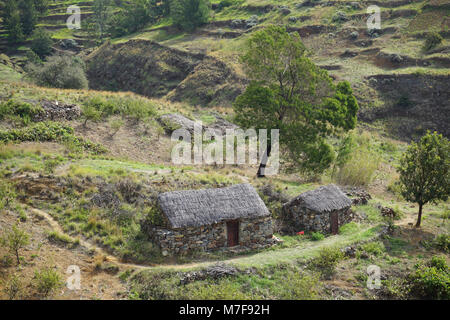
42 253
136 141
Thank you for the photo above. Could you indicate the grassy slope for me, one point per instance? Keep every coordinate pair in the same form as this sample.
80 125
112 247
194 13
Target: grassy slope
31 156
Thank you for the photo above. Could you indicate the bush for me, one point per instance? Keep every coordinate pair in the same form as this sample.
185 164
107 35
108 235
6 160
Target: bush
376 248
7 194
432 41
442 242
189 14
47 281
431 280
317 236
327 260
15 240
358 171
23 110
90 113
50 131
61 238
224 4
135 108
13 288
62 72
41 43
300 286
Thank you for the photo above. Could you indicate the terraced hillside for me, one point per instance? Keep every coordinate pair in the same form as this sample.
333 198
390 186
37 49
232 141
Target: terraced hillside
81 169
337 35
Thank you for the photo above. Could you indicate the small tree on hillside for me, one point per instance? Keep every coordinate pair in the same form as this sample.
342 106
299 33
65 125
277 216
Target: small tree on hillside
90 113
15 240
41 43
28 16
288 92
424 171
11 21
189 14
102 14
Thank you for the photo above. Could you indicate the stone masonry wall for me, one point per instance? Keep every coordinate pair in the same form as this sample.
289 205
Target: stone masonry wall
303 219
253 233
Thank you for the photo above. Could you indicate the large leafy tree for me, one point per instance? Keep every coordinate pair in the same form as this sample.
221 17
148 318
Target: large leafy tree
424 171
290 93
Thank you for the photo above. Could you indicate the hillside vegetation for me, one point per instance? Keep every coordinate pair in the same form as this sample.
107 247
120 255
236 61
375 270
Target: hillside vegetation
84 152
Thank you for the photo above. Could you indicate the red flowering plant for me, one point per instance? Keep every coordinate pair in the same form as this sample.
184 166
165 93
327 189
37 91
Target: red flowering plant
301 233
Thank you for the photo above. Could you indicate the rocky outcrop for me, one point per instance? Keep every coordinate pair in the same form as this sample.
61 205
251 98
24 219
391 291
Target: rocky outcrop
174 121
215 272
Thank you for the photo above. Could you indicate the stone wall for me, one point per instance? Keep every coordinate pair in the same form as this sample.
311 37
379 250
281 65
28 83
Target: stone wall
253 233
298 218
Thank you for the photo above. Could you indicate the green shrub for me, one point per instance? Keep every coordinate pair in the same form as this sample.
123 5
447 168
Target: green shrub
14 287
431 280
90 113
62 72
61 238
41 42
23 110
376 248
47 281
442 242
50 131
7 194
189 14
356 161
299 286
317 236
327 260
432 40
134 108
15 240
438 262
51 164
359 170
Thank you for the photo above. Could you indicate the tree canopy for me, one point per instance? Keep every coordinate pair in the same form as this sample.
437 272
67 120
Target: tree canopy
290 93
424 171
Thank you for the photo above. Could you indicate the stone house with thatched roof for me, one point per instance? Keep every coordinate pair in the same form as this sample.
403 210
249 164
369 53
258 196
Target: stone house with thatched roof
211 219
323 209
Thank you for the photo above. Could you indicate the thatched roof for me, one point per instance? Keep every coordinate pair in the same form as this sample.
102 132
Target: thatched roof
196 208
323 199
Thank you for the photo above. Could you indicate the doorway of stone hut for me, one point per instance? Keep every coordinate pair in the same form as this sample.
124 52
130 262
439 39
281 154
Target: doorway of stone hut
233 233
334 217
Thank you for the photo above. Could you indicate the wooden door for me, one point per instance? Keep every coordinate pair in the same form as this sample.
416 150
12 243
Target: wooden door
233 233
334 217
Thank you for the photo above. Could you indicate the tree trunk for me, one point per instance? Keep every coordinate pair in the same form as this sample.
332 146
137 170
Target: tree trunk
419 218
17 257
262 166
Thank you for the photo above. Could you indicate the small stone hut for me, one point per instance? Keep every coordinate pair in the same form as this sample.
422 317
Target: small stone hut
323 209
213 218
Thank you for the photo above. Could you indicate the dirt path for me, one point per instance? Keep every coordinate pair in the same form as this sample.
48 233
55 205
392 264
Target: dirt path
258 259
89 246
108 257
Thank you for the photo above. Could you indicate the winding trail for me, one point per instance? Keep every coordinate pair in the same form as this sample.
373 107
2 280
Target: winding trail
308 250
